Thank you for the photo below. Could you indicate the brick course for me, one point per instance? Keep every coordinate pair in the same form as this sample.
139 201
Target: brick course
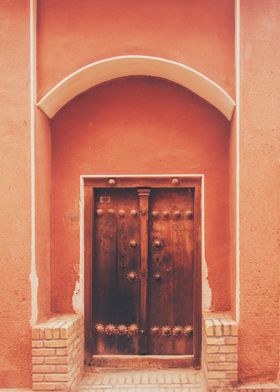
58 345
57 353
219 344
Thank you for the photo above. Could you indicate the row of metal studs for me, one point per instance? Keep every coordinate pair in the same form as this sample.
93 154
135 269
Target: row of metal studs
132 330
111 329
154 214
174 181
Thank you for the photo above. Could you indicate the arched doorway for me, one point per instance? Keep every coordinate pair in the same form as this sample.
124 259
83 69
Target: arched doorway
138 125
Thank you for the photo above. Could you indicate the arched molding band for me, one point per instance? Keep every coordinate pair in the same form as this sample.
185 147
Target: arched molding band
120 66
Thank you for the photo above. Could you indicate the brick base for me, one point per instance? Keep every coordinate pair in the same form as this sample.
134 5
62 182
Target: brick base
57 353
219 345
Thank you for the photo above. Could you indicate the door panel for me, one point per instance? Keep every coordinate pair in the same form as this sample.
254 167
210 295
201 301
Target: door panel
170 295
116 250
143 271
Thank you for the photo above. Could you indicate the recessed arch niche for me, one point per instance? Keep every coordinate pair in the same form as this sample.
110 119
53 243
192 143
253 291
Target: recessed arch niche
138 125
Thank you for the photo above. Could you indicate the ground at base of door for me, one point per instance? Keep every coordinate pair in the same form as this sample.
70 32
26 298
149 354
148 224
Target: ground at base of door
179 380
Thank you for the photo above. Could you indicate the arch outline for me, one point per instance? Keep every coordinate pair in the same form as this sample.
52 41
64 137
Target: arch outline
136 65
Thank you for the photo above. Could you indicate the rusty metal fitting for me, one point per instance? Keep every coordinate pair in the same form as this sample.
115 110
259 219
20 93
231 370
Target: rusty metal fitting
100 329
99 212
166 331
155 331
175 181
110 329
111 181
187 330
133 244
155 214
111 212
132 330
157 244
121 329
131 276
189 214
121 212
177 330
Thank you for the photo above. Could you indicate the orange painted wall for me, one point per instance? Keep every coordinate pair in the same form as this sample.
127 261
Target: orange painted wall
137 125
43 190
233 211
259 190
109 128
199 33
15 207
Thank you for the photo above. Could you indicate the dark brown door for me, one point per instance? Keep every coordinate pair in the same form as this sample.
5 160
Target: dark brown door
143 271
116 286
170 293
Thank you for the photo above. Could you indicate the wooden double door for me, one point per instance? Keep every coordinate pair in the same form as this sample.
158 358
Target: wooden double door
143 283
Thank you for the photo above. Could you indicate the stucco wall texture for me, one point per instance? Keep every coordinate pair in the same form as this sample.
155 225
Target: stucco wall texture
232 213
259 190
109 128
42 213
15 206
198 33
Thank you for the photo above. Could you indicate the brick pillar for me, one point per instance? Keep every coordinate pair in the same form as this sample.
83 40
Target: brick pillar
220 351
57 353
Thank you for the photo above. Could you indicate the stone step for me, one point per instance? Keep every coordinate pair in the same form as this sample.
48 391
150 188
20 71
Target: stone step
179 380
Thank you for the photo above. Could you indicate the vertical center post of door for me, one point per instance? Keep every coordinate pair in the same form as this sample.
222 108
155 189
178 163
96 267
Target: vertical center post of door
144 209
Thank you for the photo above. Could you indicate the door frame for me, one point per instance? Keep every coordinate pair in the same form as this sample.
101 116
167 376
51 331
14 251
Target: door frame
93 182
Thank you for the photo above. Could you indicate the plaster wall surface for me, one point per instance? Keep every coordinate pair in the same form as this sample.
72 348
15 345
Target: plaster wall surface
15 207
137 125
42 191
141 125
78 32
233 211
259 190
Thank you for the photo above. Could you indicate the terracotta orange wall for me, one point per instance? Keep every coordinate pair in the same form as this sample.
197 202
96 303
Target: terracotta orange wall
15 214
137 125
43 190
232 216
198 33
260 190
